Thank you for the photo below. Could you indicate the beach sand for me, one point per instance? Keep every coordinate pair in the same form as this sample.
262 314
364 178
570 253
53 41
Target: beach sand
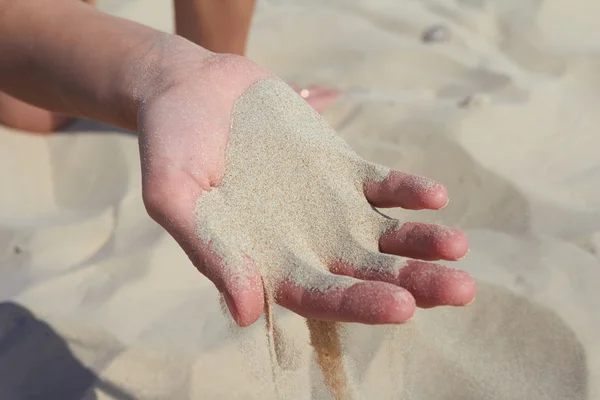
500 105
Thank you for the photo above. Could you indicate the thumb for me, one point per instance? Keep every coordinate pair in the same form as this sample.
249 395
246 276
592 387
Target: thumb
244 309
170 199
241 286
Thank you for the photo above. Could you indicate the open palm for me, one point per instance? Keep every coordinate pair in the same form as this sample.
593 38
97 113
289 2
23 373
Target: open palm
195 186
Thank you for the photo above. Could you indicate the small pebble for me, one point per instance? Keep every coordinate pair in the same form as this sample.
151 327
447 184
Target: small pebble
473 100
436 33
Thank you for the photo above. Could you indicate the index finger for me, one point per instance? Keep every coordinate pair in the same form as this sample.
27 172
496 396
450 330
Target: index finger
365 302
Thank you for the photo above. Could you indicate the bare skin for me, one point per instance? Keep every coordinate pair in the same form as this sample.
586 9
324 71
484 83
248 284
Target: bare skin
221 26
179 98
20 115
23 116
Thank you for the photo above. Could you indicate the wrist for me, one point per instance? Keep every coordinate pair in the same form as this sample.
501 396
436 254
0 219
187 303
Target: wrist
176 65
163 64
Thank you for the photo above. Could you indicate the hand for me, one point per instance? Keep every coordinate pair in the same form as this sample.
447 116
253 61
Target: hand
184 132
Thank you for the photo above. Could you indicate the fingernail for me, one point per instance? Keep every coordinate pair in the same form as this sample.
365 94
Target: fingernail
471 302
463 257
231 306
446 205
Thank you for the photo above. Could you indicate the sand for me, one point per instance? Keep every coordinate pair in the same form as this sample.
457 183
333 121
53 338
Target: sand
292 197
98 302
292 202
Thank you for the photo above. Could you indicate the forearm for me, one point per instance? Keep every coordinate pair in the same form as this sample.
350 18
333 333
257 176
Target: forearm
68 57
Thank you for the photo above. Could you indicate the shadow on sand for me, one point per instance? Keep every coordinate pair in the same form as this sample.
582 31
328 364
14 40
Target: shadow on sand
36 362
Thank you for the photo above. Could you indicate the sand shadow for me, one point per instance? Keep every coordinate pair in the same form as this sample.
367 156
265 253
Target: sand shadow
123 257
422 143
419 141
503 343
89 174
90 126
513 343
36 362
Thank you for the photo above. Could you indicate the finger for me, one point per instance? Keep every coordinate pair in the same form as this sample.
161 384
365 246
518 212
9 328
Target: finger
437 285
240 284
408 191
345 299
431 285
170 199
424 241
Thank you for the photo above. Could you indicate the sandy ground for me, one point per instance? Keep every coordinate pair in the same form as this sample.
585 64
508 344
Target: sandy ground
97 302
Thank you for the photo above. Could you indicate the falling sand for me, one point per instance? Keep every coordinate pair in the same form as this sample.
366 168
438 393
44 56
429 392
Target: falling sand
326 341
292 201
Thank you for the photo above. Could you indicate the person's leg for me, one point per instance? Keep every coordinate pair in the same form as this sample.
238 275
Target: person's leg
17 114
222 26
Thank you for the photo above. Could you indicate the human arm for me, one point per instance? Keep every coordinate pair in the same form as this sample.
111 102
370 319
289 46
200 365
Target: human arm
65 56
68 57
